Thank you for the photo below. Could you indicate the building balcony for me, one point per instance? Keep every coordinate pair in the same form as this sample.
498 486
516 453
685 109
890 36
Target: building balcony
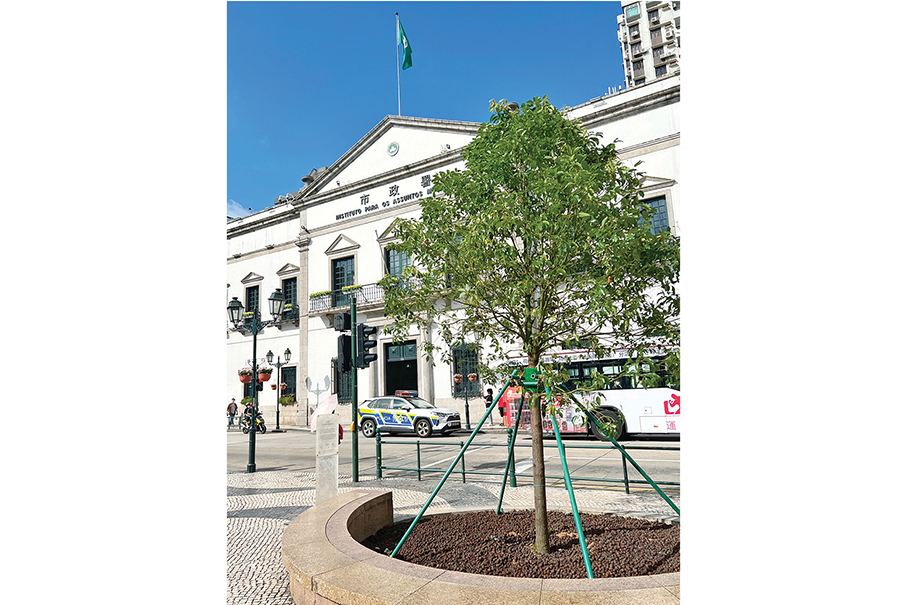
367 296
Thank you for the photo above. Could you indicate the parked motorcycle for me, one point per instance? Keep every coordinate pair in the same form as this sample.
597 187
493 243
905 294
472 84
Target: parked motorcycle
245 422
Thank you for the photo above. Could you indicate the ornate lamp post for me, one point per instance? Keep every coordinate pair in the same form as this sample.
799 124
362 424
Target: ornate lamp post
286 360
235 314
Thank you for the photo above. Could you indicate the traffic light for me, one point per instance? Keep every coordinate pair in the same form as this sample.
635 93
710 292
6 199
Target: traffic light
342 322
344 353
363 357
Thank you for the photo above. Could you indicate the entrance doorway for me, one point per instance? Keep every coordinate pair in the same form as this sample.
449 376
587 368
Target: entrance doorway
401 372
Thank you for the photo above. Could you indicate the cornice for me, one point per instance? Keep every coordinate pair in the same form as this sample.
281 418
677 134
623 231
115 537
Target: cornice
655 100
264 221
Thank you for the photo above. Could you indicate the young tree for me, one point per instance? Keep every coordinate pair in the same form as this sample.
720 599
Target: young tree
540 240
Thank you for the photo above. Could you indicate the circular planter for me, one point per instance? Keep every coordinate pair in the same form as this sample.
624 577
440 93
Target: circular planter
264 377
273 387
245 378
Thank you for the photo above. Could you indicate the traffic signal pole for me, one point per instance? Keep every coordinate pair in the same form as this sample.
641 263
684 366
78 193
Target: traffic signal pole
354 389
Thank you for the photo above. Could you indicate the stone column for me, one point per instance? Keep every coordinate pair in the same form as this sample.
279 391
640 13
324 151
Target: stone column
327 451
302 369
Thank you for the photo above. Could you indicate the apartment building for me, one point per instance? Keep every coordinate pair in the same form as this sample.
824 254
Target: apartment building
649 34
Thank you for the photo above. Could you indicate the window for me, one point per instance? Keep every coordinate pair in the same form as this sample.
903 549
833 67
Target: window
655 34
634 30
632 11
637 65
252 297
660 219
653 16
343 273
395 262
342 383
636 48
661 70
290 293
466 362
288 376
382 403
658 52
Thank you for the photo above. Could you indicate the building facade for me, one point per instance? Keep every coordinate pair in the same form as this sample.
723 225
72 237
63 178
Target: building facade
649 34
328 242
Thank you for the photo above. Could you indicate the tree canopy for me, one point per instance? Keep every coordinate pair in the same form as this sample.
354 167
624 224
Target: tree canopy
541 239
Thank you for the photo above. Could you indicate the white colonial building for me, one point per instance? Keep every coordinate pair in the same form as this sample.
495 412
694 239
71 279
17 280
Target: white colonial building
331 235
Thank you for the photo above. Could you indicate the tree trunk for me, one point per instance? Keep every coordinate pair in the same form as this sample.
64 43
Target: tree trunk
542 545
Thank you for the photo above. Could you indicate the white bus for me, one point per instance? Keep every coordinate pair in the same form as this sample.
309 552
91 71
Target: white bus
645 411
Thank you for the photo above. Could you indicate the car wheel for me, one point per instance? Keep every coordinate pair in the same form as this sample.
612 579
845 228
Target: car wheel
604 415
423 427
368 428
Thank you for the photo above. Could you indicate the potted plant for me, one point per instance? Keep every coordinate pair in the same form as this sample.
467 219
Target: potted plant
264 374
283 386
245 375
287 400
273 386
458 378
473 377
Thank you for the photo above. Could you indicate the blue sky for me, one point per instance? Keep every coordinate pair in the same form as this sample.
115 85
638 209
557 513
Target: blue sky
307 80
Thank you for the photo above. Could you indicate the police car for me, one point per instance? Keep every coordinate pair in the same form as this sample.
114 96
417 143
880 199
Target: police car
405 412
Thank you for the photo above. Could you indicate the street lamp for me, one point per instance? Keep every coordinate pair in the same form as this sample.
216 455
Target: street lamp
236 316
286 360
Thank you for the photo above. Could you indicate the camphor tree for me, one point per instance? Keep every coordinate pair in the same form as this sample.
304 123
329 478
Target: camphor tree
542 239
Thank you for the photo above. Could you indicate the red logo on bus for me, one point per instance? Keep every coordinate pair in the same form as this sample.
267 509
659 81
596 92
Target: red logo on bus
672 406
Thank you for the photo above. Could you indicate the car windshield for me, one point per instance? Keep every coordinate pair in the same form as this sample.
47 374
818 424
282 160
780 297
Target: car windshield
420 403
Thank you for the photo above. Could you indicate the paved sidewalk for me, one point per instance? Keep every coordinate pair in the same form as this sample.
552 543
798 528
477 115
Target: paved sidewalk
260 505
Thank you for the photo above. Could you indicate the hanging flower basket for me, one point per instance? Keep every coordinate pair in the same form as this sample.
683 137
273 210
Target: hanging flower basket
273 387
245 375
458 378
283 386
264 374
473 377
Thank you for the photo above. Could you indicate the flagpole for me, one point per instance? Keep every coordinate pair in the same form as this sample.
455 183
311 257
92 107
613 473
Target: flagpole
397 50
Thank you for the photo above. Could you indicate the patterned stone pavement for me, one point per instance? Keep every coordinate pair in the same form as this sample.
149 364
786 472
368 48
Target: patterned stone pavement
260 506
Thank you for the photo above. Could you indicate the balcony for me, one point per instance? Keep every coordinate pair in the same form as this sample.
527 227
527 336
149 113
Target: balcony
289 318
370 295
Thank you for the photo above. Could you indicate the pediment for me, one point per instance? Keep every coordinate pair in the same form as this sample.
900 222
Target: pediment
388 235
396 141
288 269
342 244
252 278
654 183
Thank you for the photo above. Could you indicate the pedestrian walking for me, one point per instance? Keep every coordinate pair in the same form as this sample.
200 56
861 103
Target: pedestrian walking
489 399
231 410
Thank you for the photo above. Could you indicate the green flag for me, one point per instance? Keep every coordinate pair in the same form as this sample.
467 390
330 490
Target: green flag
407 49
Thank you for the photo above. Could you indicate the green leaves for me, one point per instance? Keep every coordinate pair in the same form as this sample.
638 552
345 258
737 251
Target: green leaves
537 239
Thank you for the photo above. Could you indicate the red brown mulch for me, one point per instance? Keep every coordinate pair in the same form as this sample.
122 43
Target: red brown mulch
503 545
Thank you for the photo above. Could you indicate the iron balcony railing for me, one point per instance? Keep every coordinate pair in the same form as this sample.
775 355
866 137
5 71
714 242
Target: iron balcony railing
368 293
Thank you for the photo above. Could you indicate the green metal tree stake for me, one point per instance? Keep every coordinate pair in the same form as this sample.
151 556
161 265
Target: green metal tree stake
519 413
569 485
449 471
628 457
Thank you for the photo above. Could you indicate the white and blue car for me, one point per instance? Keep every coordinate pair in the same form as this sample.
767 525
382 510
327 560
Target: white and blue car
397 414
